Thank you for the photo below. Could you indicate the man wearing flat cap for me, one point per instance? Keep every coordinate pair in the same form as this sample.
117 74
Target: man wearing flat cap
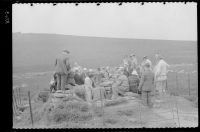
62 69
144 62
134 63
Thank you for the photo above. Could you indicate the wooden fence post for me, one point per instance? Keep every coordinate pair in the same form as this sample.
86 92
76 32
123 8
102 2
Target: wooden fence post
189 82
15 101
177 81
31 114
140 116
177 112
102 109
14 108
20 96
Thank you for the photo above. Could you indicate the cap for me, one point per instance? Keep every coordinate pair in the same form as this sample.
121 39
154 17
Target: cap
132 55
66 51
147 64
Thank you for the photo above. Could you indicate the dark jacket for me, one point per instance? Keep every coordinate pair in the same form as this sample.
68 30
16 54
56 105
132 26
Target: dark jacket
79 79
62 65
133 83
147 81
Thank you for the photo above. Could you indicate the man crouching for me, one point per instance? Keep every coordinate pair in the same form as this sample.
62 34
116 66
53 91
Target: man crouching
121 85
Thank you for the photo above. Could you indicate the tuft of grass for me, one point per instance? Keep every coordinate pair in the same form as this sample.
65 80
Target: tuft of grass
43 96
126 112
190 98
111 121
116 102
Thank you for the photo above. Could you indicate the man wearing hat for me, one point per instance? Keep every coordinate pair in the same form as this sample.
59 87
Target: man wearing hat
133 60
144 62
146 84
62 68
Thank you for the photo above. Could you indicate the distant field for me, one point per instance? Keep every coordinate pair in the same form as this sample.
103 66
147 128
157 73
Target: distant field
35 53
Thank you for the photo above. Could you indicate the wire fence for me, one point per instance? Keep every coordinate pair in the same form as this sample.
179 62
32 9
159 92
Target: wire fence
21 100
180 83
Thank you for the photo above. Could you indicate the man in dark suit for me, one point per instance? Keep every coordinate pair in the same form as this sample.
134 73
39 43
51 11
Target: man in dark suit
62 69
146 84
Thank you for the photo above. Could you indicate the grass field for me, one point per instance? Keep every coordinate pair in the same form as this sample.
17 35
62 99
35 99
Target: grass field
94 52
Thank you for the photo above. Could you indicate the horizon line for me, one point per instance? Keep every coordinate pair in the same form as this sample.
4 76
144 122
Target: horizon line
103 37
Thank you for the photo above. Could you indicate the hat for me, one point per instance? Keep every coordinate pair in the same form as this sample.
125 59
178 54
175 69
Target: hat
66 51
132 55
147 64
160 57
134 72
145 57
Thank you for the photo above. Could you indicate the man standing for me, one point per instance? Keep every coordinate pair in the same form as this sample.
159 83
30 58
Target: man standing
144 62
146 84
133 60
62 68
160 72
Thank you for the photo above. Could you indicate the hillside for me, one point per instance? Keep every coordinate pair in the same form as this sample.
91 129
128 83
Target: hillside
38 51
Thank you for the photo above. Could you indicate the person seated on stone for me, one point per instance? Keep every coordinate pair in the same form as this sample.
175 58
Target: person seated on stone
98 76
146 84
92 77
88 88
53 83
79 77
70 80
120 85
126 69
134 82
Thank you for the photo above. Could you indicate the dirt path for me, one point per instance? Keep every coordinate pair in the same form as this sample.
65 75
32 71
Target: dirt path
127 115
187 114
132 114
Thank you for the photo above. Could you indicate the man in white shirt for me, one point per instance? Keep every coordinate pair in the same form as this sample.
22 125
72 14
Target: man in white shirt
160 75
133 60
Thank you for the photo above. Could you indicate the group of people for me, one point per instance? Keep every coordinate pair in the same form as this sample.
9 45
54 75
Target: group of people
145 78
141 78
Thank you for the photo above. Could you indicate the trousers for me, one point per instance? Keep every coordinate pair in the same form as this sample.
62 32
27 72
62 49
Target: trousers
61 81
161 86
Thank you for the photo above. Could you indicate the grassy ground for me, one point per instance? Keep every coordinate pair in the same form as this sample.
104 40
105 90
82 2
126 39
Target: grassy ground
127 114
117 114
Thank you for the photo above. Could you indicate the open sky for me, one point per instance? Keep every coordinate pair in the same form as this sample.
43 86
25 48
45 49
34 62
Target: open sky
172 21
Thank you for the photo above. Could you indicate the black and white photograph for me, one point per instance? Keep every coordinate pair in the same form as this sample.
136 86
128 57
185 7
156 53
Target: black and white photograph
104 65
